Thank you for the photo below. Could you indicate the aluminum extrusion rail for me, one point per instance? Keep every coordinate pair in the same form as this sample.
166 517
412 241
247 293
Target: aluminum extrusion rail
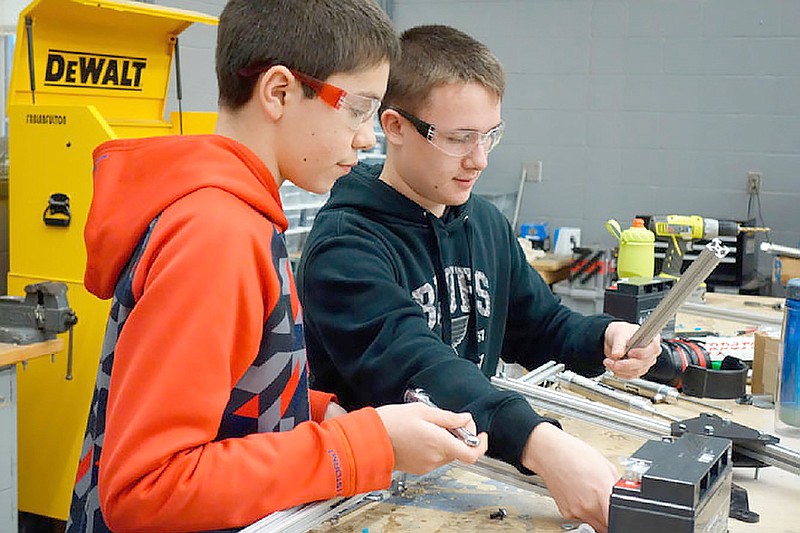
701 267
626 422
499 471
304 517
711 311
579 408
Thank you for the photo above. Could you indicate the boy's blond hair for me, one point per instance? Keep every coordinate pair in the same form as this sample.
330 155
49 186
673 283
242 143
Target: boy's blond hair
435 55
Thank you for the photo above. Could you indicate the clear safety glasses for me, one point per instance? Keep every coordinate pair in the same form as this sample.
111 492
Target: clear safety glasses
358 109
456 143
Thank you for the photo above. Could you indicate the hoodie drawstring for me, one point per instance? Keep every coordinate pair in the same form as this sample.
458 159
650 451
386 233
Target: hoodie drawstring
473 296
441 284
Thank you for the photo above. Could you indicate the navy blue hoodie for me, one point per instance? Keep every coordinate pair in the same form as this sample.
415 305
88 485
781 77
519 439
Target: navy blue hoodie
395 297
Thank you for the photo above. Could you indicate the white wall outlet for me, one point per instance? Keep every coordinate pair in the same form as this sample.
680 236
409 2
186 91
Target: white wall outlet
533 170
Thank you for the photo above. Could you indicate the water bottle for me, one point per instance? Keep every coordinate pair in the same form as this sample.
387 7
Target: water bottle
787 404
636 249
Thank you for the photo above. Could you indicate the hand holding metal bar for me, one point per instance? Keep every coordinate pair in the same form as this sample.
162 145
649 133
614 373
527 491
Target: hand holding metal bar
419 395
708 259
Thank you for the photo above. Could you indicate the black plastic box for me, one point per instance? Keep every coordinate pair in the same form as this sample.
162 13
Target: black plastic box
686 489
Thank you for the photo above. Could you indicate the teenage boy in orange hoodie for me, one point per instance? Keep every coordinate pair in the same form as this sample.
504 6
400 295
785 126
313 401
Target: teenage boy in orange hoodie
202 418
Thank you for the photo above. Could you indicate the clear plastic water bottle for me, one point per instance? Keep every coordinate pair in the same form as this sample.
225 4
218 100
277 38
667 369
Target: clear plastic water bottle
787 405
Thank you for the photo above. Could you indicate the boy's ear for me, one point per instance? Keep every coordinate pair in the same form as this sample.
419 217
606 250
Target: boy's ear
392 126
273 88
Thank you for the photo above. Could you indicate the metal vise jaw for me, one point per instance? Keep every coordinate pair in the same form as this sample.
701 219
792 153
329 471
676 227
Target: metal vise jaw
39 316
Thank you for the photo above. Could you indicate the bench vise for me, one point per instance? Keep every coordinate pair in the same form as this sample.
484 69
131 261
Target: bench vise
38 316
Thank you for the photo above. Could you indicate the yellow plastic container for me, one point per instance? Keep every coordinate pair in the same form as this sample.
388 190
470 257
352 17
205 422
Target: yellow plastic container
636 249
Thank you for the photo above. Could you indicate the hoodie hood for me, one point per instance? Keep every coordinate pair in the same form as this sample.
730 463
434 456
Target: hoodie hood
362 190
136 179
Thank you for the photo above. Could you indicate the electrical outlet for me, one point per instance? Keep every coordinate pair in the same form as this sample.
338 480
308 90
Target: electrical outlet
533 170
753 182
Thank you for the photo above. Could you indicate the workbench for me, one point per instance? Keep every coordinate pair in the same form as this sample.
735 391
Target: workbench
451 499
552 268
10 356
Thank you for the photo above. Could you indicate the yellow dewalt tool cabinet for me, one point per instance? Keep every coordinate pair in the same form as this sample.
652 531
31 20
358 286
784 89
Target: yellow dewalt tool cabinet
83 72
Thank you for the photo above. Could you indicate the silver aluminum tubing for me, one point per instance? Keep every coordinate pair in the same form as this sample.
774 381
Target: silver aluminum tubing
777 249
730 314
589 411
632 424
539 375
505 473
708 259
302 518
775 455
602 392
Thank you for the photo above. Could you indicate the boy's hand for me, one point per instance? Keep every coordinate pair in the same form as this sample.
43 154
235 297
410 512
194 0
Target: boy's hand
578 477
638 360
421 440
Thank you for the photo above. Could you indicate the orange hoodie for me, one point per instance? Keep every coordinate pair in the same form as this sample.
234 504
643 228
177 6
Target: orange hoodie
200 423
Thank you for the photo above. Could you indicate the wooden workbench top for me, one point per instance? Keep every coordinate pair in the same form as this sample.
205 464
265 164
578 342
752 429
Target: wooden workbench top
11 354
452 500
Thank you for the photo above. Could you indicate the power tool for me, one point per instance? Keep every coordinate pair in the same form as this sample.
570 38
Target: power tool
683 230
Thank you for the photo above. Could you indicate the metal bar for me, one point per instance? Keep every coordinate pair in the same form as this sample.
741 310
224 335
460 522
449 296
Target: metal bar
777 249
505 473
630 423
701 267
596 413
731 314
657 392
605 393
304 517
538 370
539 375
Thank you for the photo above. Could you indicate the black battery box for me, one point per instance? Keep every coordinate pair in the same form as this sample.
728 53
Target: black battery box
673 485
634 299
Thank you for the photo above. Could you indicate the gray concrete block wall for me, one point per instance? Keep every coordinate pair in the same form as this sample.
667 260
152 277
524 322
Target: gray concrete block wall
634 106
642 106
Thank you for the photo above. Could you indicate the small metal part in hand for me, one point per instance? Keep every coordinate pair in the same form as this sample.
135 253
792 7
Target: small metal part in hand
499 514
419 395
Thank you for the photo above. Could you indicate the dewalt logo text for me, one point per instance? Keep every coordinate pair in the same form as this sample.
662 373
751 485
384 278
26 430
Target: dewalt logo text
99 71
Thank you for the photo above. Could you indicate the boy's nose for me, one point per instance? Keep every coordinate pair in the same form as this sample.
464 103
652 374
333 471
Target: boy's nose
364 138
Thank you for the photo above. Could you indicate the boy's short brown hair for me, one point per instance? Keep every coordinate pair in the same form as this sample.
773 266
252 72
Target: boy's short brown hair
316 37
435 55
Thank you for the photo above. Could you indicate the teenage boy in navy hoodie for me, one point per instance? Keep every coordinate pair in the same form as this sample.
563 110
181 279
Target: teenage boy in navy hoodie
202 418
409 280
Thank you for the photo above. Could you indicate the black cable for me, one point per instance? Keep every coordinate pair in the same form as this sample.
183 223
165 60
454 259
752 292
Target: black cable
178 85
749 205
31 71
761 217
